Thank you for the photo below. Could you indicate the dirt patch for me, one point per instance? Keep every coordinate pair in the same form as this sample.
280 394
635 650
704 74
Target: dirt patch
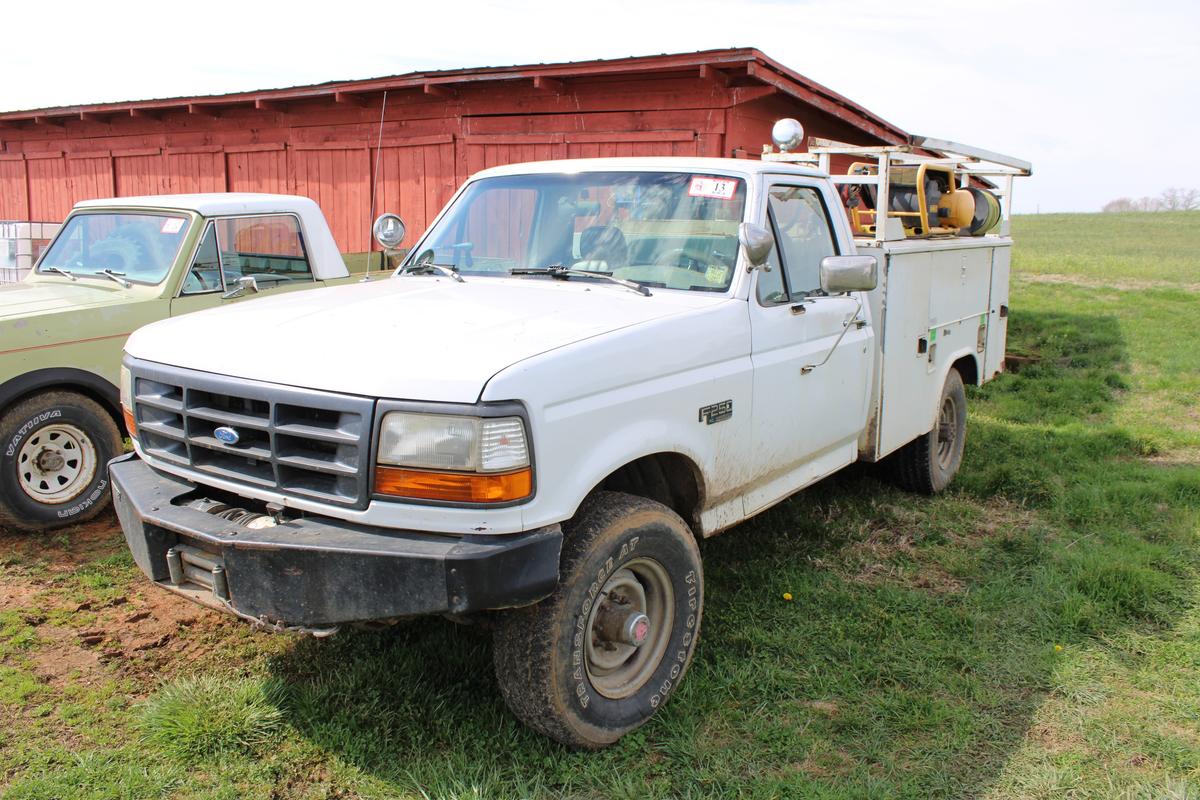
827 707
61 550
1176 458
136 633
1119 284
136 636
17 595
826 764
886 550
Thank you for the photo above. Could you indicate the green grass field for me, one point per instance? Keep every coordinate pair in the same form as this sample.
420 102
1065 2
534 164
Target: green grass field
1035 632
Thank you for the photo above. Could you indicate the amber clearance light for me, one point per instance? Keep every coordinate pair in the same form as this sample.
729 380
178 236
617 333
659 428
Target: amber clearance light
456 487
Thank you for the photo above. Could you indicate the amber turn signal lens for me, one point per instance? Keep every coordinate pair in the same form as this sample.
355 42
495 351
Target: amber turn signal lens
130 422
455 487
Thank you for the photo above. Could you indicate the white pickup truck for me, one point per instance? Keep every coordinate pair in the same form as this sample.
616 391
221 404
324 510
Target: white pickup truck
580 369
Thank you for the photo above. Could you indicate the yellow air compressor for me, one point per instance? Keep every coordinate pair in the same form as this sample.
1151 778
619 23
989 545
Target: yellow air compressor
927 200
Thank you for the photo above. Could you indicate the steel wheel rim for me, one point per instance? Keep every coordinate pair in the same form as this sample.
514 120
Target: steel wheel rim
55 464
618 670
947 438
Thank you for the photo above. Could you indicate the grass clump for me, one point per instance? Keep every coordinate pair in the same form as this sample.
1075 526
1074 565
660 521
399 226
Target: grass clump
202 717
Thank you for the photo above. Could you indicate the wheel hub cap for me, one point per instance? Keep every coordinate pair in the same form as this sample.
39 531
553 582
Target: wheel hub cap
947 433
629 628
56 464
50 461
621 624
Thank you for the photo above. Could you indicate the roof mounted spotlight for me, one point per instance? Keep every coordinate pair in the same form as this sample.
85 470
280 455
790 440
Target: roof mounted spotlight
788 134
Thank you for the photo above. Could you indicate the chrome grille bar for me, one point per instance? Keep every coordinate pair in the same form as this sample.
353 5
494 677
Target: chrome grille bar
298 442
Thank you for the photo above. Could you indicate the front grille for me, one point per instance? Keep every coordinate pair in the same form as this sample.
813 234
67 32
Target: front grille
294 441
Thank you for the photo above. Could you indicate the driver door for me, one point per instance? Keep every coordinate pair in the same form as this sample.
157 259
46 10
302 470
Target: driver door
807 409
268 248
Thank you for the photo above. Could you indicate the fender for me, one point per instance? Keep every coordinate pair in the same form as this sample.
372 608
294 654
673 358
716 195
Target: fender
62 378
624 446
954 357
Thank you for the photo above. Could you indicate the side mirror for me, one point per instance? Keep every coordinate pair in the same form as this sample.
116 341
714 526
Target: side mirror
849 274
388 230
757 241
244 284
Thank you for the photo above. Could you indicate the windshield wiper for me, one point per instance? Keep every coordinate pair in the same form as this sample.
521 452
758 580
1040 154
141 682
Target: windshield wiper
114 276
60 271
562 273
429 266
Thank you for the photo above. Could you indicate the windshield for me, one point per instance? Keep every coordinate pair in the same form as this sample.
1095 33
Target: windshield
674 230
139 247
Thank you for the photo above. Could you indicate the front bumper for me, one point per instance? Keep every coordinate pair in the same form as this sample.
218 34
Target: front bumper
316 573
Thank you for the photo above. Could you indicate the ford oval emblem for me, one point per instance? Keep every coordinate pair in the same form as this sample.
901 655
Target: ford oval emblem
227 435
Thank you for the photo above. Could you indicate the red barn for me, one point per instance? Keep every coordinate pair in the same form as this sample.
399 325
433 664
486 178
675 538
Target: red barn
438 127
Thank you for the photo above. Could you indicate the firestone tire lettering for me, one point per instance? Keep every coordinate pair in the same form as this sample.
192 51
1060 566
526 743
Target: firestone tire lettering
541 652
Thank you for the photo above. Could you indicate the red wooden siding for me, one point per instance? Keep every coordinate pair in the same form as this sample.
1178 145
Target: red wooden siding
324 141
89 177
136 175
257 171
14 190
415 181
187 172
338 179
48 194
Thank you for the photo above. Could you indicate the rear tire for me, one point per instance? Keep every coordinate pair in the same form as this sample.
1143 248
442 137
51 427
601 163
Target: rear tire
54 454
928 463
560 669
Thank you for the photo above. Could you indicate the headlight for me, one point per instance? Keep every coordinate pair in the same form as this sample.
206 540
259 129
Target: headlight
127 402
454 458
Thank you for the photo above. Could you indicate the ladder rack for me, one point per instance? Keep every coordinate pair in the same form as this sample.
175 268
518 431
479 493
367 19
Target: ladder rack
966 161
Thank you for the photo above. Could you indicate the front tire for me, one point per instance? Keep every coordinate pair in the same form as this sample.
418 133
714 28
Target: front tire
54 454
599 656
928 463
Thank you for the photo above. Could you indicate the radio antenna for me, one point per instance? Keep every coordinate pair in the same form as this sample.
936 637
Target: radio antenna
374 184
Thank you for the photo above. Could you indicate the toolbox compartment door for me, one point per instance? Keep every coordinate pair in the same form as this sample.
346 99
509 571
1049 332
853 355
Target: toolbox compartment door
997 320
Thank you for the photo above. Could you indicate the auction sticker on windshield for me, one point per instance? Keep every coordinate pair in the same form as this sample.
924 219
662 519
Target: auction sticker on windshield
172 225
718 188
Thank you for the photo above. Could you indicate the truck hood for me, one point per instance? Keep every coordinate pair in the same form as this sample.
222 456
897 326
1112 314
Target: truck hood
35 297
417 338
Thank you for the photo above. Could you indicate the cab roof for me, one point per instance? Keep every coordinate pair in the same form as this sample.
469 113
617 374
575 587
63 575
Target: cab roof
210 204
707 166
324 257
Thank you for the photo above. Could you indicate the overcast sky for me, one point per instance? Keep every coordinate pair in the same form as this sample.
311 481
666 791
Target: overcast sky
1098 95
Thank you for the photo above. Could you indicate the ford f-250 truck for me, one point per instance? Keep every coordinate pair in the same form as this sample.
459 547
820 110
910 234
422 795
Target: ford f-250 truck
580 369
114 266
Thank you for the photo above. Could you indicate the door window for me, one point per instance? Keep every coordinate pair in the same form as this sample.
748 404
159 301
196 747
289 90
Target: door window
205 274
269 249
803 237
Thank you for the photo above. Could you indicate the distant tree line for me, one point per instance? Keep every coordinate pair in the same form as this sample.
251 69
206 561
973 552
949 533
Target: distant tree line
1173 199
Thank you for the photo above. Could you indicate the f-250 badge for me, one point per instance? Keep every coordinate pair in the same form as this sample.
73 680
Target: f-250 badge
717 412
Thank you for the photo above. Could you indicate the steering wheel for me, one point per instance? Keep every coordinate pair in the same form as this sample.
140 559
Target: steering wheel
680 257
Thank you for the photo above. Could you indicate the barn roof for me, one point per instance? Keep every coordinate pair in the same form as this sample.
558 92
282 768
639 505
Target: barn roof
728 67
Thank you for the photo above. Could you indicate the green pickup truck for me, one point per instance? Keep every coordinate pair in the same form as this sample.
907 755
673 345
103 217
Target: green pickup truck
115 266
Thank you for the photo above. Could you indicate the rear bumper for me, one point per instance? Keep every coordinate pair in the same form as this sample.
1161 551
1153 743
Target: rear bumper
316 573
